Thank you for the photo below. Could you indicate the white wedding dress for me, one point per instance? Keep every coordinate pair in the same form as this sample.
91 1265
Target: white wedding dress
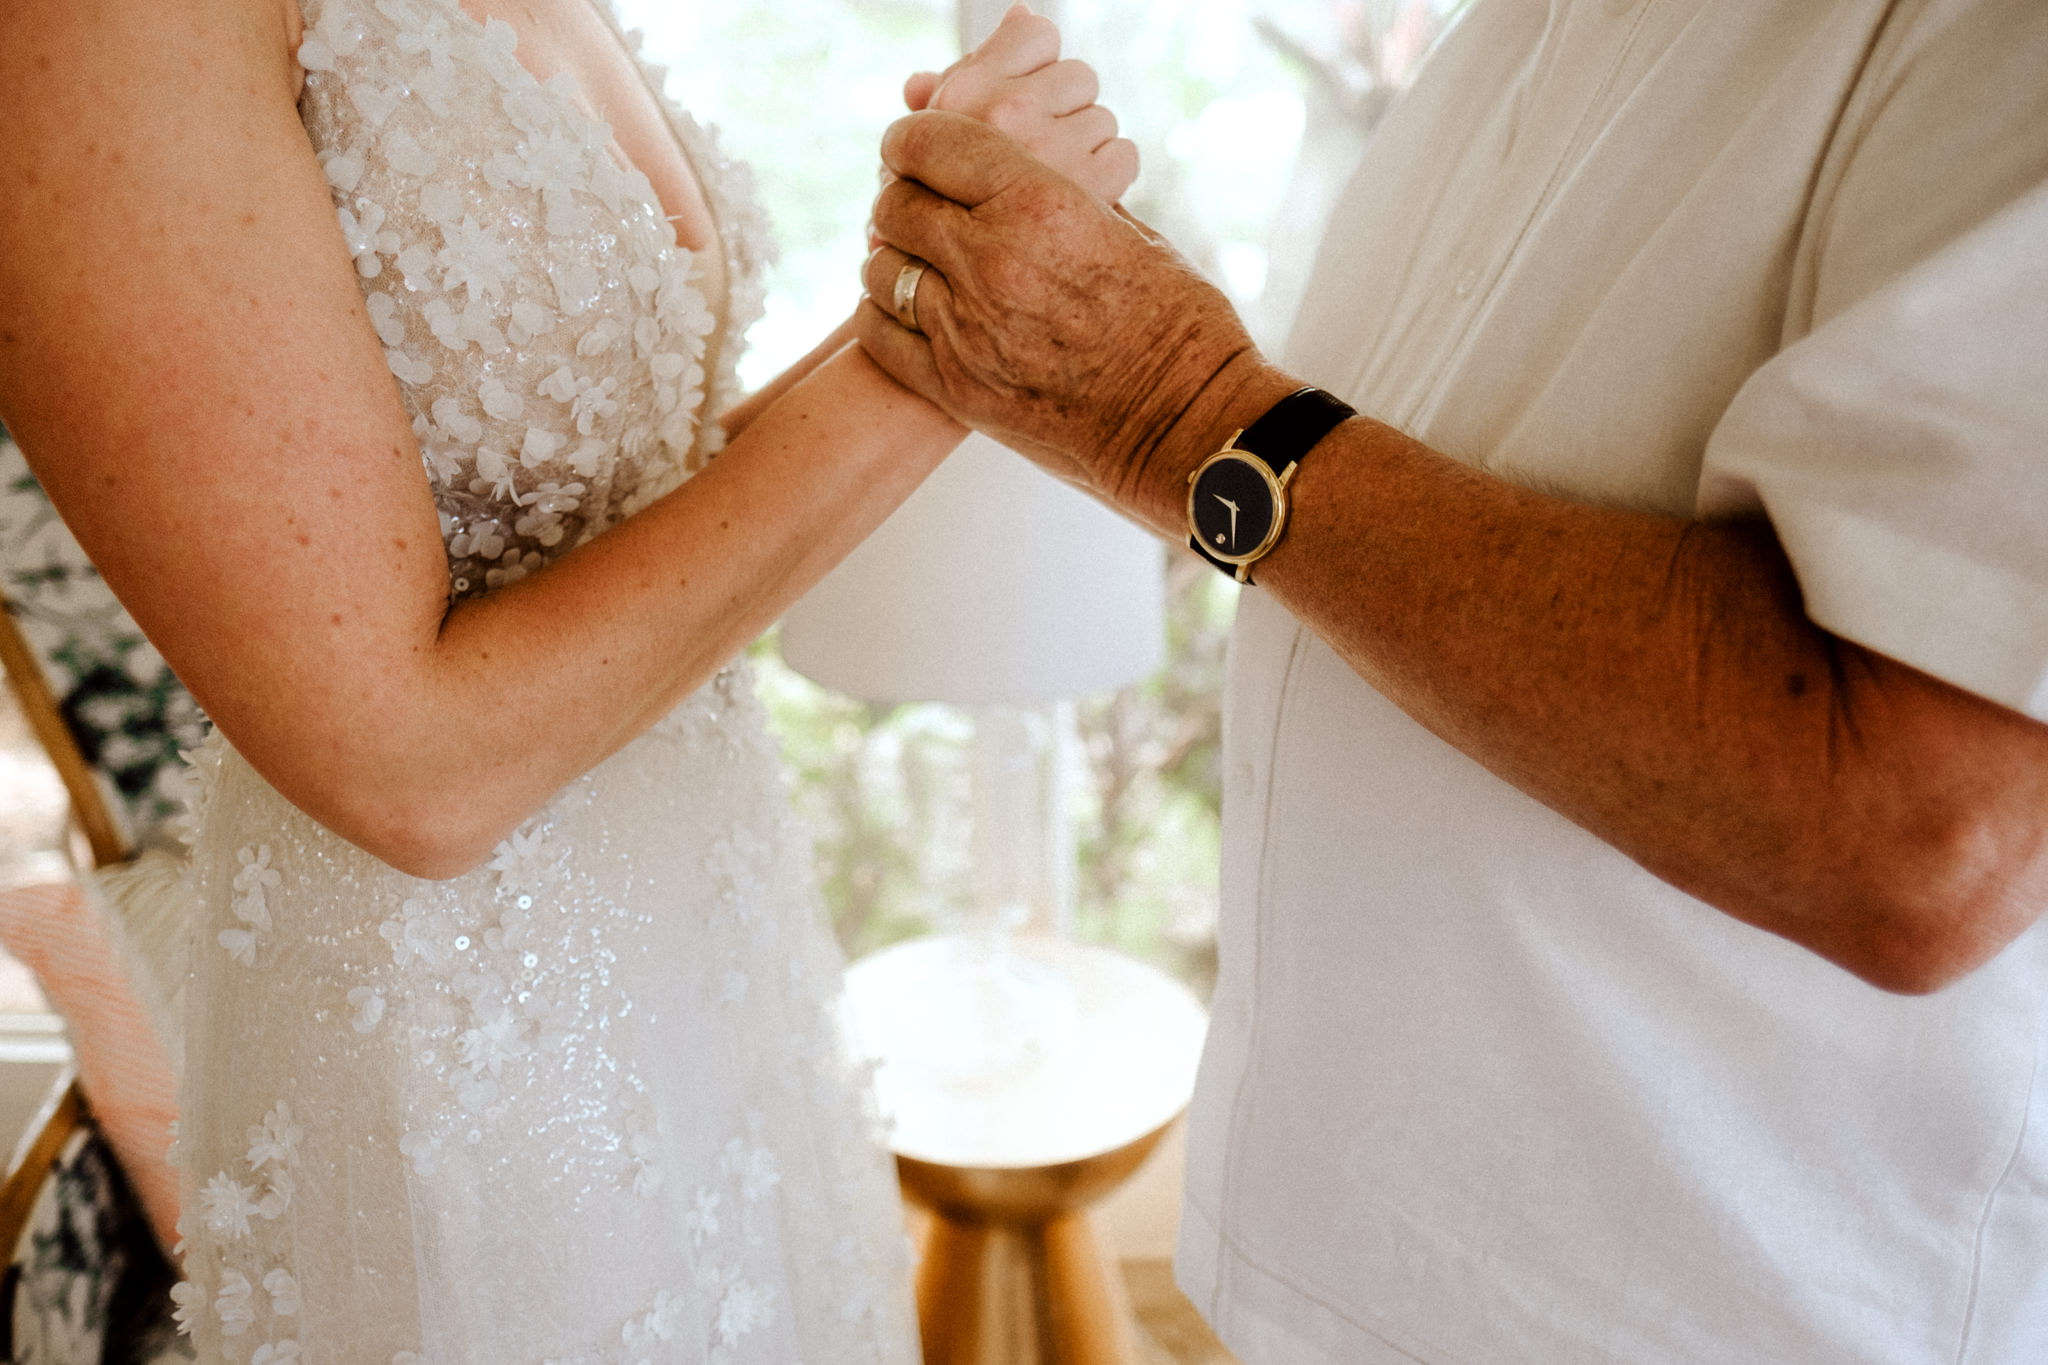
587 1102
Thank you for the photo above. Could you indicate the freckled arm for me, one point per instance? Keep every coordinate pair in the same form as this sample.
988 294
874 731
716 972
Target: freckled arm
186 359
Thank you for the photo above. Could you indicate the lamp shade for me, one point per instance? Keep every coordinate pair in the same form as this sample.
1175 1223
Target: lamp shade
994 584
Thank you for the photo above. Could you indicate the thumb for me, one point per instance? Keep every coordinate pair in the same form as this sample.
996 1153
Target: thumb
919 89
956 157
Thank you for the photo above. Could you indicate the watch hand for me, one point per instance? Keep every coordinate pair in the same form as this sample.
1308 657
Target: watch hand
1233 515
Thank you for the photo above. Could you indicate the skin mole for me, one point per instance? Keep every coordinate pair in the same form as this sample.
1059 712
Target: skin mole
1795 684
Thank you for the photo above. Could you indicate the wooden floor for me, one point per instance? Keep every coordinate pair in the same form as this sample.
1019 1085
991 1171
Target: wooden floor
1171 1331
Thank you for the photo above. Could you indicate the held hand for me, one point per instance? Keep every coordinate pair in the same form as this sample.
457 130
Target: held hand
1016 82
1054 323
1020 44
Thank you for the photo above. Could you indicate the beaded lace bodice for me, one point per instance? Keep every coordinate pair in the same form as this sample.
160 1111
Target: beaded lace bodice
553 344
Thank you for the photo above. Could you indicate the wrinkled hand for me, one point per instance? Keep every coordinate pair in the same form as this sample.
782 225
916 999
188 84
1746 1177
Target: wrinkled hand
1016 81
1047 319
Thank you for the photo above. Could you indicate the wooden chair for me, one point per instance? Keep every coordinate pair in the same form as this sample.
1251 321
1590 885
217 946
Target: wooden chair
110 719
61 1115
101 702
85 1282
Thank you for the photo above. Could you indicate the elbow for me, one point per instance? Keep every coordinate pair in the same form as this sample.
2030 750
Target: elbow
1912 964
435 860
1929 909
427 834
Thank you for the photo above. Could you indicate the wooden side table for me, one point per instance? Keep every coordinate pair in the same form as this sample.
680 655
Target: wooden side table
1023 1083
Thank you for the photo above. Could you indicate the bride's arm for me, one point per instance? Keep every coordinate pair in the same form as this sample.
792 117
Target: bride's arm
185 357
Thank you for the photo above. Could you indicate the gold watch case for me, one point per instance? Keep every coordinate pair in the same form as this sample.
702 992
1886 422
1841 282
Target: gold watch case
1276 487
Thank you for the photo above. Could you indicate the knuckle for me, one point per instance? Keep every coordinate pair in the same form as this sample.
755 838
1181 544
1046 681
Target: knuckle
1011 114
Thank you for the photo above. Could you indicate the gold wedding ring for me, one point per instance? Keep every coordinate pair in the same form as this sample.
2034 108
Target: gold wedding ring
905 298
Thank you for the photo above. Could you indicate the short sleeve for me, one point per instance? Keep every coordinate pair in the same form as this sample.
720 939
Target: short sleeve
1901 452
1900 447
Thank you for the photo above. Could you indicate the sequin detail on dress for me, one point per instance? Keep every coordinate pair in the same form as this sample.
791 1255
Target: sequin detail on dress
586 1103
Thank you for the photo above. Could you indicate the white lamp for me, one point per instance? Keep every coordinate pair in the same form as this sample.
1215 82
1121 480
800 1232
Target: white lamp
998 588
995 584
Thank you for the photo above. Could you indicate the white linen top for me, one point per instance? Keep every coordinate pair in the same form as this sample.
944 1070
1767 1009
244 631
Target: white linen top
1479 1088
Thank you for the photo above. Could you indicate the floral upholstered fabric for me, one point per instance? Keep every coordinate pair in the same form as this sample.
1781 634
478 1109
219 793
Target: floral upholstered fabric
88 1285
585 1103
131 718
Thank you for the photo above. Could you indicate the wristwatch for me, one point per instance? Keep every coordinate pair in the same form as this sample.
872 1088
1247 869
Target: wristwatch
1237 498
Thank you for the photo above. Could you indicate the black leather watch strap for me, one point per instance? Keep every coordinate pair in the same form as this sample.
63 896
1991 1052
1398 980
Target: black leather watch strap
1292 426
1280 437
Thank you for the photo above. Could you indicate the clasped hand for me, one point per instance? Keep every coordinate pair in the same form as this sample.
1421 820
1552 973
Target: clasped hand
1047 317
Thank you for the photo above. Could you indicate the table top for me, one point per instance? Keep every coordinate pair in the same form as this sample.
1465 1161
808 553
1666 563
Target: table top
1026 1053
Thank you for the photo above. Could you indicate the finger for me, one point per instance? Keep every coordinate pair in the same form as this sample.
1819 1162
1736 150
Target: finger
1112 170
957 157
919 89
905 356
1069 86
879 277
1022 43
938 81
913 219
1065 144
1019 106
1088 129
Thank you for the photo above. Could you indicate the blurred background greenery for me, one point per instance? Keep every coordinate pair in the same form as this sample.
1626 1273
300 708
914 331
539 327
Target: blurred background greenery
1248 114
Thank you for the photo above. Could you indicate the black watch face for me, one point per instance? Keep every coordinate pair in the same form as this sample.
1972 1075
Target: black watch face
1232 507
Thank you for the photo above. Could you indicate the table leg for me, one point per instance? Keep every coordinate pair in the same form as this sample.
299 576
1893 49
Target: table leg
1036 1292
